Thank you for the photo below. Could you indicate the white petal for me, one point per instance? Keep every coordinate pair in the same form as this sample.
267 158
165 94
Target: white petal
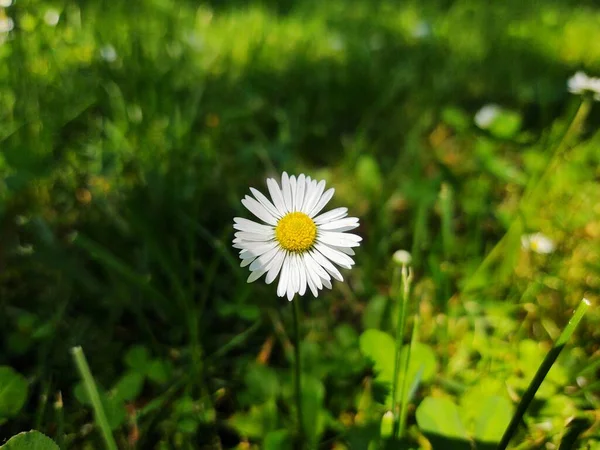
327 284
250 226
316 192
293 191
346 250
330 216
283 279
311 285
290 285
308 191
247 261
245 254
326 264
256 248
300 188
315 267
336 256
275 266
295 273
322 202
255 275
276 195
287 193
303 280
263 259
266 203
311 272
339 239
245 236
259 211
334 225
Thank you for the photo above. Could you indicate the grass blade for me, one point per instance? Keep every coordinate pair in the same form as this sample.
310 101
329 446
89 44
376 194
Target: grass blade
92 392
542 371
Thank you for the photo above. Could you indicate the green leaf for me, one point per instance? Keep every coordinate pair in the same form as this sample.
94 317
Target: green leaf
475 410
138 358
494 414
439 419
114 410
159 371
13 392
261 382
81 394
276 440
113 405
129 386
257 422
30 440
313 394
379 347
456 118
422 358
506 125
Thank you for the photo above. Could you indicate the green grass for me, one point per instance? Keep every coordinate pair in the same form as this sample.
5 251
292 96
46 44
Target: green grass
120 177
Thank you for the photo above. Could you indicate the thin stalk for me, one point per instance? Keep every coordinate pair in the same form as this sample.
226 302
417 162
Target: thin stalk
94 396
60 421
541 373
400 327
403 393
298 371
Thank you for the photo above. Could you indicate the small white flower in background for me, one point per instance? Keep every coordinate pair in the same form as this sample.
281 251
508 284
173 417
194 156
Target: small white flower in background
51 17
421 30
402 257
538 243
5 3
486 116
6 25
580 83
293 241
108 53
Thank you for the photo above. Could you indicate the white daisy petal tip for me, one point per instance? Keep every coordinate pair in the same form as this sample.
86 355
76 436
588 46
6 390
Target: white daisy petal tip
295 241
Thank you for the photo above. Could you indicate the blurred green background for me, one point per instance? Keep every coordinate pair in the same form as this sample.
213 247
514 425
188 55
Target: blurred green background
129 132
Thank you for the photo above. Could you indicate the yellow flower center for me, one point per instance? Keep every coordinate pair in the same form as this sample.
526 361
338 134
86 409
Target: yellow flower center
296 232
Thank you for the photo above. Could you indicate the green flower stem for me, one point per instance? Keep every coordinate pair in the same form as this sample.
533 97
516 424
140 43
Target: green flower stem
403 393
298 371
94 396
398 427
541 373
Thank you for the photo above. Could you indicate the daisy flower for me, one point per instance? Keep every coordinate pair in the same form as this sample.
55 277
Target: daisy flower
538 243
294 241
580 83
486 115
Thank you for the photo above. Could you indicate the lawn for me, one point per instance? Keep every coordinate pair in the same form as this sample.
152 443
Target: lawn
131 131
